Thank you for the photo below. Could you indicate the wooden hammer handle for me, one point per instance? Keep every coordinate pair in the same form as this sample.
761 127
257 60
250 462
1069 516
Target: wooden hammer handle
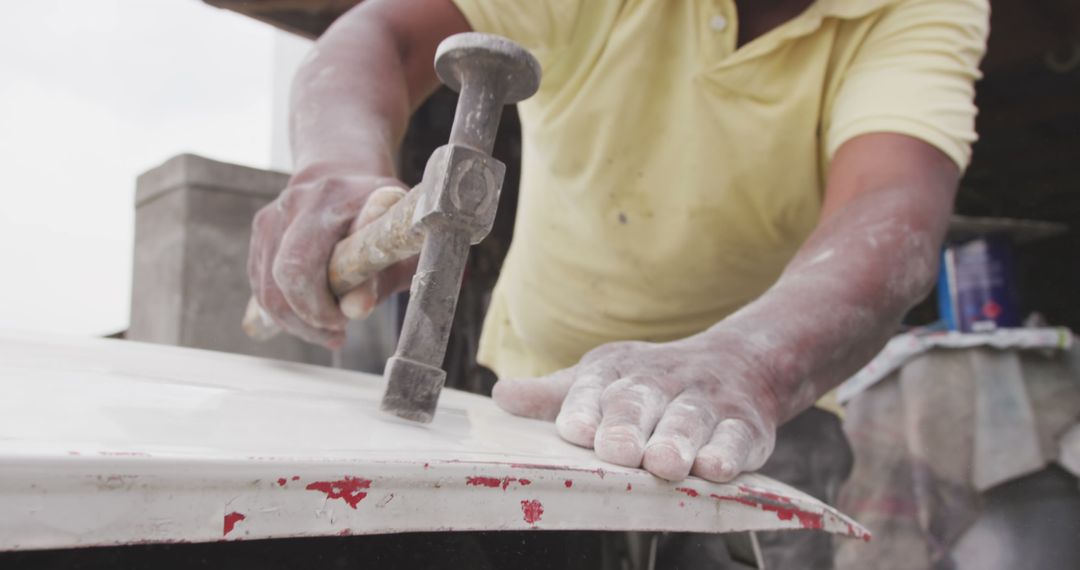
390 238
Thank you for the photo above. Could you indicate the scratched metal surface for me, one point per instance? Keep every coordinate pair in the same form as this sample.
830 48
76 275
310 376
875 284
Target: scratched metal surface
113 442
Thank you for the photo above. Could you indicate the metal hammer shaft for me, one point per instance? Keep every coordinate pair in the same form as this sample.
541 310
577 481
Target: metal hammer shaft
480 75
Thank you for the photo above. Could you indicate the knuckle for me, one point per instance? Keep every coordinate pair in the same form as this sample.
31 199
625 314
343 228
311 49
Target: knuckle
265 215
290 276
287 201
640 390
274 304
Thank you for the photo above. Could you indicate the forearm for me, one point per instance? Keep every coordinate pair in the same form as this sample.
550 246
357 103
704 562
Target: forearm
352 97
846 290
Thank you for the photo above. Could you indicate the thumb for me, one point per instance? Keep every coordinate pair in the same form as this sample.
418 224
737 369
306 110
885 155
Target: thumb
538 397
358 303
377 203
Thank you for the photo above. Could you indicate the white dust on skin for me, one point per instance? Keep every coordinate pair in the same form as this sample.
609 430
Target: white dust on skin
716 398
840 299
657 404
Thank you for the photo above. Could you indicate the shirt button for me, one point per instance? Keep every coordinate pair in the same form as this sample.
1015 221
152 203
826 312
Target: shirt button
718 23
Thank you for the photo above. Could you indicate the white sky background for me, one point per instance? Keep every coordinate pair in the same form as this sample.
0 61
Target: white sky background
92 93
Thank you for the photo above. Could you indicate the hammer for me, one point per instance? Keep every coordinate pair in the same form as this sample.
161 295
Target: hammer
451 208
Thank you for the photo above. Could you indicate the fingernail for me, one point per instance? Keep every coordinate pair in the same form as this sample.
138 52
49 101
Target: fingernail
358 306
728 469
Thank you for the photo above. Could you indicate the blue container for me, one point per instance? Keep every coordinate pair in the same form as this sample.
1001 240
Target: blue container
977 285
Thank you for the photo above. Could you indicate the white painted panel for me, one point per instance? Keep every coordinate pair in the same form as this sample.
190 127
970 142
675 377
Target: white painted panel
116 442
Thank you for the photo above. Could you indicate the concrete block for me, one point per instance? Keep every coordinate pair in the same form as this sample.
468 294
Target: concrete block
192 229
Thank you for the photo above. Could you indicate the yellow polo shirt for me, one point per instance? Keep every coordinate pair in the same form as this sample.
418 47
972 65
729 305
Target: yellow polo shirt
668 177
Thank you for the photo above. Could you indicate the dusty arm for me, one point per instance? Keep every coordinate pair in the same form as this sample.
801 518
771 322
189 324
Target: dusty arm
710 404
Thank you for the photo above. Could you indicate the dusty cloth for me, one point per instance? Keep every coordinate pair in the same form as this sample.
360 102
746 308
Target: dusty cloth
902 348
914 439
811 455
669 175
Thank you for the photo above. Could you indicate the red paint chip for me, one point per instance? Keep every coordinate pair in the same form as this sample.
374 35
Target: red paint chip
532 509
230 522
689 492
568 483
348 489
778 504
281 482
495 482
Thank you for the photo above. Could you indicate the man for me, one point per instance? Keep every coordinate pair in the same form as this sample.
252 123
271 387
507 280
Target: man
726 207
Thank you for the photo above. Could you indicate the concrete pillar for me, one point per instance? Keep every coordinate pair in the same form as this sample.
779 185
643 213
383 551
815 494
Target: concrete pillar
192 228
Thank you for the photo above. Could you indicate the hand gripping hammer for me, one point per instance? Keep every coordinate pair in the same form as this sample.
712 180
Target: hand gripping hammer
452 208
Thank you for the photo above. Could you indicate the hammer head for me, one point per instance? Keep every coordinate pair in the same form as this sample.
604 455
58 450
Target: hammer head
487 58
460 194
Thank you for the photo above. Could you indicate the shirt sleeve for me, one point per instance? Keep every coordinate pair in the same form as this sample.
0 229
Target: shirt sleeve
544 27
915 74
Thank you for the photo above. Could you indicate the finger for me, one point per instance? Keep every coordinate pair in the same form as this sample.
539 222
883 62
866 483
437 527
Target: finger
538 397
579 415
630 407
274 303
266 291
299 270
360 302
377 203
735 447
686 426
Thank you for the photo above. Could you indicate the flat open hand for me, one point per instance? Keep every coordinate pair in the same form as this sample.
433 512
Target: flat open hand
689 406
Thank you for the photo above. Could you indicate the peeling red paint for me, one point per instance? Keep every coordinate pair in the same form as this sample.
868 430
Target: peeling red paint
532 509
866 536
281 482
778 504
345 532
347 489
492 482
689 492
295 477
230 522
735 498
766 494
426 465
495 482
568 483
629 487
598 471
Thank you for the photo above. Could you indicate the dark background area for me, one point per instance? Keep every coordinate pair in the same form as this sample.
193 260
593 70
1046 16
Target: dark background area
423 551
